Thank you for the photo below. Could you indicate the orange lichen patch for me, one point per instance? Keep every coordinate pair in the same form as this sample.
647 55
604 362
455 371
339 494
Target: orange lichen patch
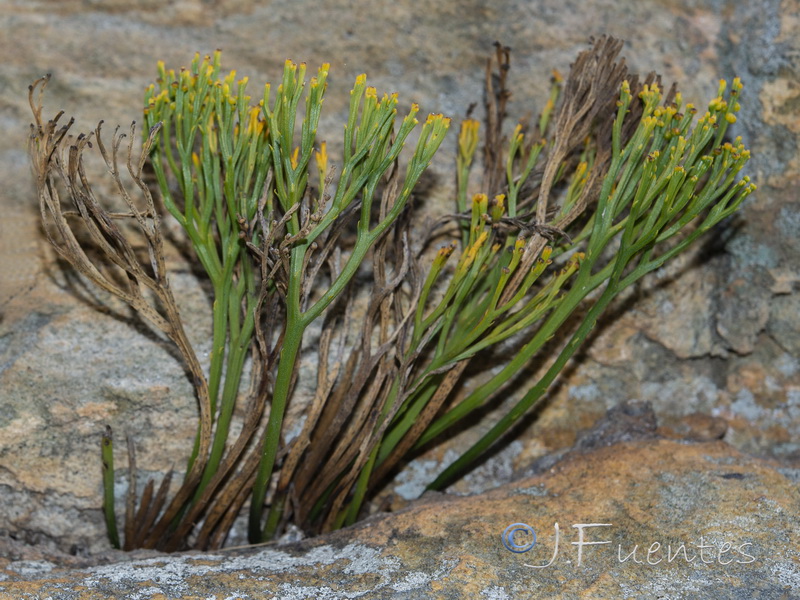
779 434
97 411
697 426
613 345
651 492
21 428
781 101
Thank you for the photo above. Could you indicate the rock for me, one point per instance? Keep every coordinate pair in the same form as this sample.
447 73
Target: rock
644 519
699 427
784 321
745 311
625 422
714 333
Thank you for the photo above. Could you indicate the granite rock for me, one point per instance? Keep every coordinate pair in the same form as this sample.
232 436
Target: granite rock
710 341
644 519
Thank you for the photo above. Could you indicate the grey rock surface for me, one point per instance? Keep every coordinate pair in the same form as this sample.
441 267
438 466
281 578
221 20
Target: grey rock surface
716 333
650 519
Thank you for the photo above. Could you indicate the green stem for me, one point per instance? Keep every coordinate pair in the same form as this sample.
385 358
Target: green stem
583 286
233 376
457 468
219 336
349 516
107 452
288 357
295 327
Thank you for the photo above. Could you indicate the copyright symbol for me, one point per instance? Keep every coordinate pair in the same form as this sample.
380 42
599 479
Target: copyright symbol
509 536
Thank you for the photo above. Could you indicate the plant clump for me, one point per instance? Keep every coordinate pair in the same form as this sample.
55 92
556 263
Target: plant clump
614 179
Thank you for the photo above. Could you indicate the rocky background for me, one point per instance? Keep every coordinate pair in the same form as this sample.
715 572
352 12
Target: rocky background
725 531
711 341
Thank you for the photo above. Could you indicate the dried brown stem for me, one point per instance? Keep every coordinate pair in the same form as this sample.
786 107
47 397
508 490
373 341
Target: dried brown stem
590 91
57 160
